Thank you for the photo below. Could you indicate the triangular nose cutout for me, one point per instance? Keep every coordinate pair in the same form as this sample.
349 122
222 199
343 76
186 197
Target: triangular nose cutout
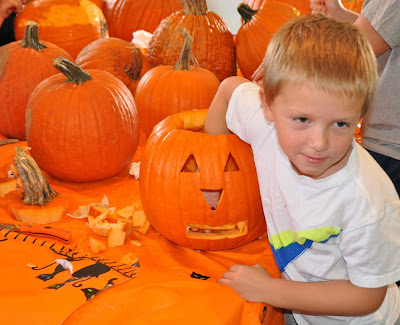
212 197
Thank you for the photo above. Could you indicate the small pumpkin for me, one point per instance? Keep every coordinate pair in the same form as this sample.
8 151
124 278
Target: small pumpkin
70 24
127 16
213 45
121 58
197 190
23 65
253 37
82 125
167 89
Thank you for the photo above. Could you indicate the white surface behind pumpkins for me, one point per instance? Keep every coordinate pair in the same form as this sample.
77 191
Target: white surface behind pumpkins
227 10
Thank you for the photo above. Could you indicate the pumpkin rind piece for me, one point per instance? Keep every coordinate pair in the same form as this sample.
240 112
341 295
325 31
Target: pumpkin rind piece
173 197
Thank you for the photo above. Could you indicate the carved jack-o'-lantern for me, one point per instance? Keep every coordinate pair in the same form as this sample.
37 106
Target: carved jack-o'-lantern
197 190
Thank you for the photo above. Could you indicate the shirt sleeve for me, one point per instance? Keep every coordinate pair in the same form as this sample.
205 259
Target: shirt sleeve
244 116
384 17
372 251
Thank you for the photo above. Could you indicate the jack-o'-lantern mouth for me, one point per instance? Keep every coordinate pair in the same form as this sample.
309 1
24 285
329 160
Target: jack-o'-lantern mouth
216 232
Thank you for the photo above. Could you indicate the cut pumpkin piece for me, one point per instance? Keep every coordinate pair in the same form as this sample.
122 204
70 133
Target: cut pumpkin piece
51 212
126 212
7 185
130 258
96 210
139 219
96 245
144 228
103 228
116 237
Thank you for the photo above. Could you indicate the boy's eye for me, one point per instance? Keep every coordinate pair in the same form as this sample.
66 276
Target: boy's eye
341 124
301 119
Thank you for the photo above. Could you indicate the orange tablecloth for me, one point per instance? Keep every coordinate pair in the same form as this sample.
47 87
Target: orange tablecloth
163 290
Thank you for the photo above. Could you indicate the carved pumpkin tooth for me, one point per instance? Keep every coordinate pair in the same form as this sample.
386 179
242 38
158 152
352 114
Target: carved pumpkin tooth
240 226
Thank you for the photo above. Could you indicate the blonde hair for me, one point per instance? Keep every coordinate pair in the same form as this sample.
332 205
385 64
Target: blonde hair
332 54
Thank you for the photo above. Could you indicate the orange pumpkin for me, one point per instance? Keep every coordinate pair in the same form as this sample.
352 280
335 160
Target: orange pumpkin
167 89
197 190
82 126
253 37
302 5
213 45
354 5
121 58
23 65
127 16
70 24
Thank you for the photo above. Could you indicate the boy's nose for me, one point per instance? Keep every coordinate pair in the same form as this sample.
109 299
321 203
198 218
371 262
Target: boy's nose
319 140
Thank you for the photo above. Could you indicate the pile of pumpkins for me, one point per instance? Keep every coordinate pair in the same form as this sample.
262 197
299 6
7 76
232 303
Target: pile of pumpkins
83 123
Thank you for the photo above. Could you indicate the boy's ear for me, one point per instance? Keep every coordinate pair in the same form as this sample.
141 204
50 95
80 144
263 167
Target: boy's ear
265 106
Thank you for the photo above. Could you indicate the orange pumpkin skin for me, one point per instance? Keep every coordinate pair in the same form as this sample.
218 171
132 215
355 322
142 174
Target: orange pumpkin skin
21 70
127 16
172 194
302 5
121 58
164 91
354 5
85 132
253 37
70 24
213 45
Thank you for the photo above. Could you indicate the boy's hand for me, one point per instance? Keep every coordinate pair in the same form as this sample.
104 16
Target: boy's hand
330 8
248 281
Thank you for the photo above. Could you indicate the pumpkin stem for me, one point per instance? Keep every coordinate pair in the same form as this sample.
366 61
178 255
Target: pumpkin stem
37 190
4 142
104 28
31 37
246 12
194 7
73 72
133 70
186 56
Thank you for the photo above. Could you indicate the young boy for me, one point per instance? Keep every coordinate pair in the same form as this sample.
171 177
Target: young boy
333 215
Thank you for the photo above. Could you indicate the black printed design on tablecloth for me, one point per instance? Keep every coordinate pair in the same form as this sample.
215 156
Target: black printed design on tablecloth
199 276
70 261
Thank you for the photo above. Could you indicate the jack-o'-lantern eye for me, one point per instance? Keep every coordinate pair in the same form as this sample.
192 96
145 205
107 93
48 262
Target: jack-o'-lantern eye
231 165
190 165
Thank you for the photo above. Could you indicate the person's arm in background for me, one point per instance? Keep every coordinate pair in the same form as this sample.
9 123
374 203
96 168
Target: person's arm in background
335 9
215 121
7 7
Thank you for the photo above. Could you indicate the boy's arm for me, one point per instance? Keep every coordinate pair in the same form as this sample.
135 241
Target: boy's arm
338 297
215 121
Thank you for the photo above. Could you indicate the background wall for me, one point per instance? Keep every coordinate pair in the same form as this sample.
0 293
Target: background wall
227 10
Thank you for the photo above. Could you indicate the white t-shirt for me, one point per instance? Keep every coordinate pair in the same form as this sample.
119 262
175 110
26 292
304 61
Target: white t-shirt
342 227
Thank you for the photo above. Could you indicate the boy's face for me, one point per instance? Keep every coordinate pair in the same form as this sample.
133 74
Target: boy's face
315 129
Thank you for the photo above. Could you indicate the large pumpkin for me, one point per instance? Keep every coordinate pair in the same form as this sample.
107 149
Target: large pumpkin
82 126
121 58
213 45
167 89
70 24
197 190
23 65
253 37
127 16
